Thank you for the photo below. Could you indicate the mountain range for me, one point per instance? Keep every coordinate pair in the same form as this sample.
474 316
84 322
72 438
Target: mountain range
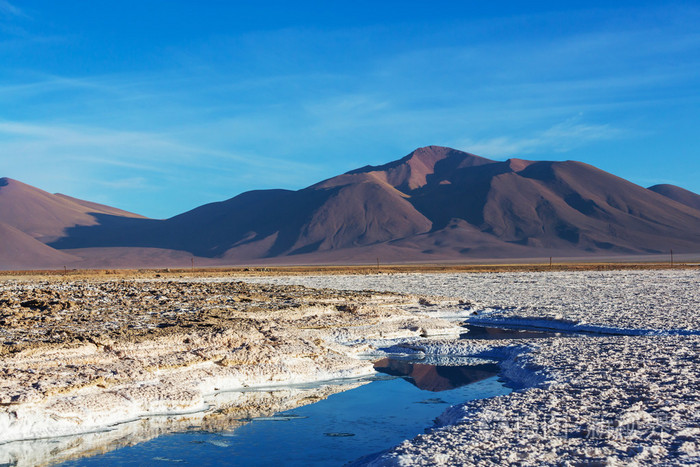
434 205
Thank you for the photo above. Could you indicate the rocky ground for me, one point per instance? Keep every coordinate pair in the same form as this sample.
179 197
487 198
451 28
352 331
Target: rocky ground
82 354
624 300
597 399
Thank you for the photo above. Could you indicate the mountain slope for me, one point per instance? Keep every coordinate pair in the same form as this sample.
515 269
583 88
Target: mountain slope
30 218
679 194
360 211
435 204
45 216
17 250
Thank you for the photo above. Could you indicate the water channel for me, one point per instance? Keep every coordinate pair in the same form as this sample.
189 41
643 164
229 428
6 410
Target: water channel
399 402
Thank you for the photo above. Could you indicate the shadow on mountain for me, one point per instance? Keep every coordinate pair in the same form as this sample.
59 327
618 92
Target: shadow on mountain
113 231
206 231
213 229
436 203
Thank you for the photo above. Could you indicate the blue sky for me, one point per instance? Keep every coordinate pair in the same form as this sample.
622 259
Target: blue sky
161 106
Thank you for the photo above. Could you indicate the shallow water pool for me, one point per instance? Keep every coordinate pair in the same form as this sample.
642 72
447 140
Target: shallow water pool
490 333
334 431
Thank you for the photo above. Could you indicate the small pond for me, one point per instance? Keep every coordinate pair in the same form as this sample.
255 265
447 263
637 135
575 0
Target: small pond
398 403
484 332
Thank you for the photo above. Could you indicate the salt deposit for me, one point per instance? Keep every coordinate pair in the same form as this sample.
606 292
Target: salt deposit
600 400
619 300
85 355
79 356
225 412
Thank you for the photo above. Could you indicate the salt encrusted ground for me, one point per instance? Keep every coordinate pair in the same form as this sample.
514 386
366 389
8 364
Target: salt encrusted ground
627 300
594 400
80 355
601 401
229 410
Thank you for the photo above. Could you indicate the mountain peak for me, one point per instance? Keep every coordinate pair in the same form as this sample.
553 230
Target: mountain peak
431 155
434 204
412 171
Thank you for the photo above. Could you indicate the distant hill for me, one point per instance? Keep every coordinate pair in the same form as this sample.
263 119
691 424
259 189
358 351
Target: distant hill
46 216
30 218
435 204
19 250
679 194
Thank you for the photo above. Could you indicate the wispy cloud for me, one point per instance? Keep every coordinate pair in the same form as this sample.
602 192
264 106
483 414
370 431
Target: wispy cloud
113 166
130 183
8 9
560 138
121 148
97 145
283 108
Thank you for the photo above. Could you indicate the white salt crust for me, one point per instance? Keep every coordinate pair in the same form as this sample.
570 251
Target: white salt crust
596 400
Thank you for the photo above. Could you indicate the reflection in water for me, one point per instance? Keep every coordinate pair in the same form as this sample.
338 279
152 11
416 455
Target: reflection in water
436 378
229 411
482 332
326 424
334 431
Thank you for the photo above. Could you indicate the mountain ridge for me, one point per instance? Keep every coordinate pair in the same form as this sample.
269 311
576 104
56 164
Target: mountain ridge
436 203
46 216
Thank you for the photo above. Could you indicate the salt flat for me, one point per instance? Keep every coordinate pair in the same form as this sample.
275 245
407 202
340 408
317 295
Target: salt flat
87 354
628 300
596 400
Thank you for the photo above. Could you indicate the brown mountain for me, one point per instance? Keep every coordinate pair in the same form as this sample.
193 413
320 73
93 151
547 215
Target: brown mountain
30 218
19 250
561 205
679 194
45 216
435 204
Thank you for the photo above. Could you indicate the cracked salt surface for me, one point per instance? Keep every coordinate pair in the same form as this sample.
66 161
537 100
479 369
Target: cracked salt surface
607 400
85 356
618 300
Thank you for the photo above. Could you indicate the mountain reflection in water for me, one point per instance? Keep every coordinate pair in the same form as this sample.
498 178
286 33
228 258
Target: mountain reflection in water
485 332
436 378
338 428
